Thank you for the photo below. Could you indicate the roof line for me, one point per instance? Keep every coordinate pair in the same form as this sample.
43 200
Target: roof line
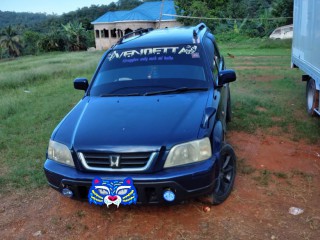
171 20
210 18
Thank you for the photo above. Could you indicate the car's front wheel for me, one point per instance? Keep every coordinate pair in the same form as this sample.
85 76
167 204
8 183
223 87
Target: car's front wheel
227 172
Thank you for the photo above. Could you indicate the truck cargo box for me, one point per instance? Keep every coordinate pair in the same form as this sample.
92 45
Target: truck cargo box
306 48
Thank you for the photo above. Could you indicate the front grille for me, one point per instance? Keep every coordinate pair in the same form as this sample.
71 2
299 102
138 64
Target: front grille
116 161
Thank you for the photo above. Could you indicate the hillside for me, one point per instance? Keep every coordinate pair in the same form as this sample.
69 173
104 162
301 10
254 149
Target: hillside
23 19
42 22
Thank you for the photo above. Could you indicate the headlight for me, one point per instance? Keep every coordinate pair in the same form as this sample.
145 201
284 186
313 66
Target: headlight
60 153
190 152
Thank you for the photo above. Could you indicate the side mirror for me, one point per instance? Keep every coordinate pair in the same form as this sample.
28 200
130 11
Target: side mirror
226 76
81 84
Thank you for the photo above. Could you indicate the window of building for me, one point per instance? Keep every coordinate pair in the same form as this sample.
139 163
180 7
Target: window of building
114 33
120 33
105 33
97 34
128 30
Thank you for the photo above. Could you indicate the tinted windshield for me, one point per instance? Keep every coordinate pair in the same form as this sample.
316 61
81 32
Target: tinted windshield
141 70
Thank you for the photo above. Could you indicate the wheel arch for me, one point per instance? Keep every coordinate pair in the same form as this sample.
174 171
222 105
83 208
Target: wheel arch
217 137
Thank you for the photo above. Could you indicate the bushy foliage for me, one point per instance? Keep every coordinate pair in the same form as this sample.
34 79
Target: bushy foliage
252 18
31 42
281 8
53 41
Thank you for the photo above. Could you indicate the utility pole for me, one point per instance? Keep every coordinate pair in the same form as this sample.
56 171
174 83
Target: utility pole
161 9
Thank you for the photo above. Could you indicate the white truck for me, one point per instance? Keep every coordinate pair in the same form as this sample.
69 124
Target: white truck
306 49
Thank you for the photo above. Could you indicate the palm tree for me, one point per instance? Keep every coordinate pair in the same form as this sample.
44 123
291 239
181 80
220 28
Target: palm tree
10 40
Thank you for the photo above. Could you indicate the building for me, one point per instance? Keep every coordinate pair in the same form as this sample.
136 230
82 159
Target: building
110 27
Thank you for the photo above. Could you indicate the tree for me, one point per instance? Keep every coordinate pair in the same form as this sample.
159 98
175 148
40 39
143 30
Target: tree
283 8
31 41
199 8
52 41
192 9
128 4
236 9
76 35
10 40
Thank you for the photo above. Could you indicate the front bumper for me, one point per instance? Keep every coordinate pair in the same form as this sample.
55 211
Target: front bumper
186 181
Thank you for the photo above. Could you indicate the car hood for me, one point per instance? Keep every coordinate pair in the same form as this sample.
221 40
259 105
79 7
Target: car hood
133 123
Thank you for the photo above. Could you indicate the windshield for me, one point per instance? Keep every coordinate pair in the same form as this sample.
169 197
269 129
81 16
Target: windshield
142 70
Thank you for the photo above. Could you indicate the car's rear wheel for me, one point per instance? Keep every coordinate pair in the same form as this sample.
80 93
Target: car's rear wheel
227 172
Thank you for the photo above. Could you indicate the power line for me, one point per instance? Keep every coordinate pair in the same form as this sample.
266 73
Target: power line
206 18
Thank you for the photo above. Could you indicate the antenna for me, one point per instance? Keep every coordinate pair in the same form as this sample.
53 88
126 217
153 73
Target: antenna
139 32
161 9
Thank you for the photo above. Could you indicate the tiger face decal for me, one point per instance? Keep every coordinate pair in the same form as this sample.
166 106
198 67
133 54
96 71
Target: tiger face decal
112 192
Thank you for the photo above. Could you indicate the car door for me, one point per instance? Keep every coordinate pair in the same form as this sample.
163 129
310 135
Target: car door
216 65
219 65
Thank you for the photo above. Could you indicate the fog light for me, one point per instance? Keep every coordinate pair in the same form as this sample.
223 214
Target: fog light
67 192
169 195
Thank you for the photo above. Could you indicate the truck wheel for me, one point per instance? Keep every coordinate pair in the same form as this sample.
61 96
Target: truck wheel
227 172
312 96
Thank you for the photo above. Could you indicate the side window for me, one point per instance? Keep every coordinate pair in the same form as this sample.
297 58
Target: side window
216 60
209 50
217 56
215 70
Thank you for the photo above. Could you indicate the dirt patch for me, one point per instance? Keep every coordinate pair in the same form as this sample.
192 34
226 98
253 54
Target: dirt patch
276 119
276 153
274 174
261 109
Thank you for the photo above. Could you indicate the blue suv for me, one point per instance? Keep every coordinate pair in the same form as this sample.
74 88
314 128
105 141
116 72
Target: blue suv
155 111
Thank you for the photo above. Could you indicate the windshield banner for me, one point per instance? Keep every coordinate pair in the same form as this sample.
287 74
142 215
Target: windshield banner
163 51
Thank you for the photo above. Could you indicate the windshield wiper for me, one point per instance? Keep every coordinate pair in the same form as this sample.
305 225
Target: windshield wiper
119 95
176 90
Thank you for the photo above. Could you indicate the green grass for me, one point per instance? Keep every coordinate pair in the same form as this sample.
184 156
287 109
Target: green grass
268 95
36 93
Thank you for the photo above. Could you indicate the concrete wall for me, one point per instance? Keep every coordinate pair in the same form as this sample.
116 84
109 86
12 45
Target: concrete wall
107 34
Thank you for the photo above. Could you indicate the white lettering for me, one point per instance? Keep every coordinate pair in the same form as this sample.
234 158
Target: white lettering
188 50
151 51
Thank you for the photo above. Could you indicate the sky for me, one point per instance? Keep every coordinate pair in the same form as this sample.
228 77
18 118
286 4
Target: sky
48 6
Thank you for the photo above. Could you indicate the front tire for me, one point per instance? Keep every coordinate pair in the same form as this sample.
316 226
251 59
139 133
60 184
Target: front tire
312 97
226 176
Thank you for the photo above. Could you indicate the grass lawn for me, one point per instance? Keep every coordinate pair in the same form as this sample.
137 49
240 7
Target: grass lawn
268 95
37 91
35 94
